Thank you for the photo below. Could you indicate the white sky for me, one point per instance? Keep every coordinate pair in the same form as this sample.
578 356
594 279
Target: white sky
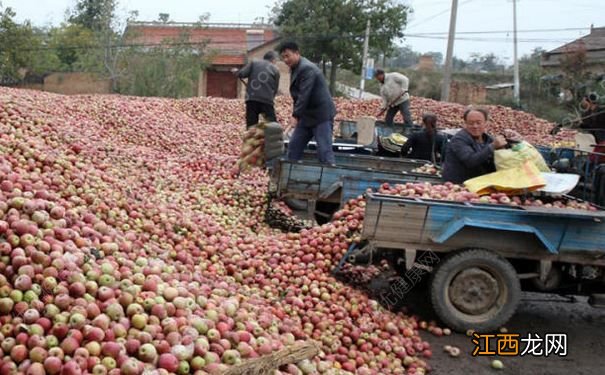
430 16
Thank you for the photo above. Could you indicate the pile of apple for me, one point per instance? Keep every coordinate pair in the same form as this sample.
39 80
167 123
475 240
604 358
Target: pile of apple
449 115
252 152
128 245
458 193
427 169
533 129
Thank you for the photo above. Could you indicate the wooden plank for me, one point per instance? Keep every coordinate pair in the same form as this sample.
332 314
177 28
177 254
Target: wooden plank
394 223
268 363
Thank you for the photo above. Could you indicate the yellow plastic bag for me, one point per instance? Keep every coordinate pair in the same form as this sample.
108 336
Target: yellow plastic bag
398 139
519 154
524 178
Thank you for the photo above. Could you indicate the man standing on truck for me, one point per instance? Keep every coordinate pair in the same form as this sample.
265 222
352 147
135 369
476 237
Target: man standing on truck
395 97
263 83
314 111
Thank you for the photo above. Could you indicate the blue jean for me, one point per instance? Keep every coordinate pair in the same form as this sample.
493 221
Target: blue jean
404 108
302 136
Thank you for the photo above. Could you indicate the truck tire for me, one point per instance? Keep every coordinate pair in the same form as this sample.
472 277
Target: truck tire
475 289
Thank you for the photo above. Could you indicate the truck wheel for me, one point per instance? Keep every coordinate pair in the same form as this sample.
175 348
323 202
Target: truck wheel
475 289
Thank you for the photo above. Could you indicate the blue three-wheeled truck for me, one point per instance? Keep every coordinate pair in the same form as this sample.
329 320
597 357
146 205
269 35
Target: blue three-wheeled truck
482 255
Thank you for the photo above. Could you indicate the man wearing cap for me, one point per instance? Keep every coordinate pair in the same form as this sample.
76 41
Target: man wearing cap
395 97
263 83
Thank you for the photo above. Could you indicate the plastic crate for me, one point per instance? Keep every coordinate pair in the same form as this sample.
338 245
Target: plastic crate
348 129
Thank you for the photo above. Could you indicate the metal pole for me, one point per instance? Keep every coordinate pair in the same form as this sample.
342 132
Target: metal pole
366 43
447 75
516 68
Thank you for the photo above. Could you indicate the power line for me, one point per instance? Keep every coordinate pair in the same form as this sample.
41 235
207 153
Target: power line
509 31
507 40
416 23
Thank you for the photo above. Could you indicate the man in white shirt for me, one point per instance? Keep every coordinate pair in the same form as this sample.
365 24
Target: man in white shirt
395 96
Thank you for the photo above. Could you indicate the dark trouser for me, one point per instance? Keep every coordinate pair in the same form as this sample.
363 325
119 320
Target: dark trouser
404 108
302 136
254 109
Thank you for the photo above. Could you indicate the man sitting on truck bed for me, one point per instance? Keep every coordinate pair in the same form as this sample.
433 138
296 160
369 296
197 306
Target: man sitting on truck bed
427 144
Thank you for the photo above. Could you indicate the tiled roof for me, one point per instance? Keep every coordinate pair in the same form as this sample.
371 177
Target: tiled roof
228 38
592 42
229 60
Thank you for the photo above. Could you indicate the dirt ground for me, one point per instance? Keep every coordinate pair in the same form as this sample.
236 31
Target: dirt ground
539 314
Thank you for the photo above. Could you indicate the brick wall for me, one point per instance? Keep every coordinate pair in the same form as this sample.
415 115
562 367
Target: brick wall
467 93
76 83
71 84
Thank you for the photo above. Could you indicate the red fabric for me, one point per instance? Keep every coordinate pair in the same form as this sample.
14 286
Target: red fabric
598 159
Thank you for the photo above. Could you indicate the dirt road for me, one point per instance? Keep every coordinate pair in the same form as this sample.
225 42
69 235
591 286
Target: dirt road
537 314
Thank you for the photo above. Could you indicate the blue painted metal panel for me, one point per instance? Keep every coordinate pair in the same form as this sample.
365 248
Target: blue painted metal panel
311 178
560 232
455 226
366 161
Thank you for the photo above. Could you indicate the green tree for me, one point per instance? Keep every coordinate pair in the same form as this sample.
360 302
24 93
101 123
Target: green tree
574 66
42 57
99 16
459 65
530 76
486 62
72 44
171 69
164 17
388 19
437 57
402 57
95 15
22 49
333 30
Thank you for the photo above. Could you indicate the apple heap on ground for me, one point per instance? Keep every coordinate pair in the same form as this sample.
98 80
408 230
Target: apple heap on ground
127 244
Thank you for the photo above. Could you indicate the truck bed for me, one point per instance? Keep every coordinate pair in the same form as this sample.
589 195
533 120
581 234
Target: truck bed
527 232
313 181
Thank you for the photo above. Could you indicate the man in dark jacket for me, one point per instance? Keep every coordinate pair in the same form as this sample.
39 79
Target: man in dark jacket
471 152
313 111
263 83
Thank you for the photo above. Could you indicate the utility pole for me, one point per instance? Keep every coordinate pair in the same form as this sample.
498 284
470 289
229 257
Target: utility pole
366 43
516 62
447 75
